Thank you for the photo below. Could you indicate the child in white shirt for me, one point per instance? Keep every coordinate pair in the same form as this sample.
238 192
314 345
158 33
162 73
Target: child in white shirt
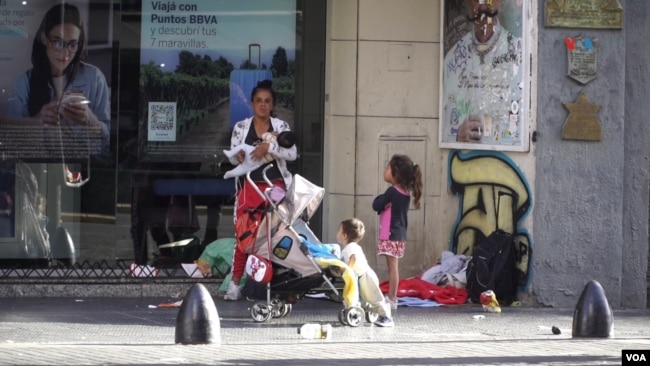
350 232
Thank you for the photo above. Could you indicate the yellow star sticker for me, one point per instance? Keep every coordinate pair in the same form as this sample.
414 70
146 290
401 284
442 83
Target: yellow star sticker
582 122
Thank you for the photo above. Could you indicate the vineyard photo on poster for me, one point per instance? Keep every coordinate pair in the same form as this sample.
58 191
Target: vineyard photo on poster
484 70
200 60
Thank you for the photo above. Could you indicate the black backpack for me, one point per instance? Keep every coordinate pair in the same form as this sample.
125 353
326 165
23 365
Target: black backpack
492 267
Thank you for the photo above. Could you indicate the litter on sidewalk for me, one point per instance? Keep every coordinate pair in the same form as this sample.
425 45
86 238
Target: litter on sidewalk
176 304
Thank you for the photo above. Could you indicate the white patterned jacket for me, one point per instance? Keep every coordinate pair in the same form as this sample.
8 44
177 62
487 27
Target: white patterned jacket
281 154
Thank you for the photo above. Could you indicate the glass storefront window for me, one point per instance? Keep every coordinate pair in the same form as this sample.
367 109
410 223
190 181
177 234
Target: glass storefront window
113 122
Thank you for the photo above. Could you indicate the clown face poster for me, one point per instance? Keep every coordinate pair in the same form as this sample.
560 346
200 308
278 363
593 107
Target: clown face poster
484 93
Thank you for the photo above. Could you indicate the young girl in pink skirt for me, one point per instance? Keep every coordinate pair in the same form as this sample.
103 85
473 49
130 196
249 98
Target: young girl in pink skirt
405 179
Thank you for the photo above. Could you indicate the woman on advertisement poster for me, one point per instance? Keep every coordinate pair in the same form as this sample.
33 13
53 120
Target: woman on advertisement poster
481 101
60 89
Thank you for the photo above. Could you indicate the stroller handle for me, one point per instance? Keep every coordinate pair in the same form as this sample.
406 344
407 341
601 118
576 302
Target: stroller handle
266 179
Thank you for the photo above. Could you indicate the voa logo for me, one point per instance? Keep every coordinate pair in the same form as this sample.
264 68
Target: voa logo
633 357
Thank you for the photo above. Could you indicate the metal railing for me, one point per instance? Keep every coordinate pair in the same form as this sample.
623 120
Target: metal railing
101 269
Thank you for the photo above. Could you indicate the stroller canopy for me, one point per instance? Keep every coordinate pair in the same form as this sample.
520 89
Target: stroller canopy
302 200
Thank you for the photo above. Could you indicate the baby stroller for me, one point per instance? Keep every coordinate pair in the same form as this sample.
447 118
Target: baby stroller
300 263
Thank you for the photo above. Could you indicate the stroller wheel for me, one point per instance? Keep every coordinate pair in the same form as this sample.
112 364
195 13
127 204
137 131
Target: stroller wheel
286 310
371 316
277 306
280 309
260 312
342 316
372 313
354 315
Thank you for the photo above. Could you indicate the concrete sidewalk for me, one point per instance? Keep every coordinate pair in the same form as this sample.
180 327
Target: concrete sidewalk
133 331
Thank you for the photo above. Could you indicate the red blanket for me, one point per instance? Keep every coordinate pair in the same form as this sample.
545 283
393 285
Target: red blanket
415 287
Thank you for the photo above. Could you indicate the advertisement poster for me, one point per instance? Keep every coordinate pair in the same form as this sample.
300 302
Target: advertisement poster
484 93
206 56
54 101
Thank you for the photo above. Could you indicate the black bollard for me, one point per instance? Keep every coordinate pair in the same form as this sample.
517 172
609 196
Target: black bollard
198 320
592 317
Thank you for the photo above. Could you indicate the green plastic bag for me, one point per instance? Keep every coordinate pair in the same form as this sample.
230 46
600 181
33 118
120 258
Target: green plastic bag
217 257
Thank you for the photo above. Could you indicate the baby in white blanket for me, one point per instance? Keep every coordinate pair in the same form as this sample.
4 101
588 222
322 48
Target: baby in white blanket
283 139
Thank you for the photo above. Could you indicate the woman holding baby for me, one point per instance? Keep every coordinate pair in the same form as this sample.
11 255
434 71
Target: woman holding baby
250 131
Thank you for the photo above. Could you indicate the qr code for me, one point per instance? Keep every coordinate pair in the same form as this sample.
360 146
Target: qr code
162 117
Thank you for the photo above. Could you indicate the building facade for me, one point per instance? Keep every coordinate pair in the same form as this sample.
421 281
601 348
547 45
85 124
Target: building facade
587 218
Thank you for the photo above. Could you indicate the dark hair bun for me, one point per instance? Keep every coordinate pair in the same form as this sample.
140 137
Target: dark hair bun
265 83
